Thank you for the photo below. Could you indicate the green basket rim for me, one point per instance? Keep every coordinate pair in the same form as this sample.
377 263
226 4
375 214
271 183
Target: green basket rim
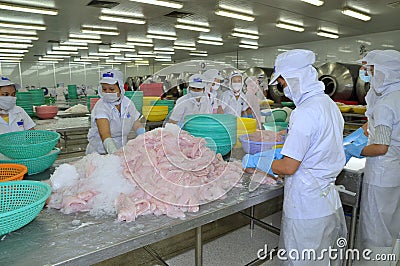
24 132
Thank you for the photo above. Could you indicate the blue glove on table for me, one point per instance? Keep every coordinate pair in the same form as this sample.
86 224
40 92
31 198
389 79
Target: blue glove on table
262 160
357 137
140 131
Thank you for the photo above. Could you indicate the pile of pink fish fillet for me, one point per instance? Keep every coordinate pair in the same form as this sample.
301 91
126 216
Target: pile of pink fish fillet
167 173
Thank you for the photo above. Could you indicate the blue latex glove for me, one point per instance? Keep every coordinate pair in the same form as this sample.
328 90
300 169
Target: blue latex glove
262 160
357 137
180 124
353 150
140 131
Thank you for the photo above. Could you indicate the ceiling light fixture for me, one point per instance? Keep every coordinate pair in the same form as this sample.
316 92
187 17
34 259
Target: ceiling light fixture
163 3
11 55
121 13
192 27
134 39
146 52
185 48
116 45
163 59
17 37
235 15
161 37
85 36
73 44
210 42
244 35
142 44
245 31
327 34
62 53
249 42
16 50
29 9
22 26
314 2
248 46
18 32
65 48
84 41
86 60
351 12
198 54
167 49
14 40
109 50
388 45
192 22
57 56
99 31
130 20
182 43
15 45
287 26
211 38
164 52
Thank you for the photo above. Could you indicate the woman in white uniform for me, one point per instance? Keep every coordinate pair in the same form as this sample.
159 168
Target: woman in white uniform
113 116
213 81
194 102
12 117
380 200
313 156
233 101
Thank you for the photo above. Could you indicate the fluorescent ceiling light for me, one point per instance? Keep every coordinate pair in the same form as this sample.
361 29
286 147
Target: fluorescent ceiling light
192 22
180 43
195 54
355 14
97 56
162 52
163 59
327 34
148 55
65 48
288 26
234 15
98 31
243 35
122 19
18 32
246 31
120 58
344 50
86 60
86 41
17 37
62 52
364 42
249 42
163 3
85 36
115 61
161 37
248 46
185 48
17 51
190 27
14 40
142 61
210 42
10 61
116 45
141 44
162 32
210 38
56 56
388 45
12 55
145 52
50 59
29 9
15 45
109 50
73 43
166 49
22 26
314 2
121 13
134 39
236 9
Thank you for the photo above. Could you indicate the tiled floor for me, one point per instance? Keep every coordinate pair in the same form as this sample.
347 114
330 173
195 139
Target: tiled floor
237 248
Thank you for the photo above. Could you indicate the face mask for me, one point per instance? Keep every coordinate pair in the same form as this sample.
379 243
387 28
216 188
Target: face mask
196 94
110 97
236 87
287 93
7 102
215 87
364 77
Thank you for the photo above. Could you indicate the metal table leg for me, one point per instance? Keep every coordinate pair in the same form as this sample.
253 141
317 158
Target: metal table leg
198 248
251 219
352 235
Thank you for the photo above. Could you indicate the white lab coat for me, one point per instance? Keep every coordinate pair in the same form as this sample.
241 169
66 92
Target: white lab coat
186 105
121 124
232 106
19 120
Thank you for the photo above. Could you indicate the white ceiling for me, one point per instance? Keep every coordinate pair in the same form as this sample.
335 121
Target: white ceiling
74 13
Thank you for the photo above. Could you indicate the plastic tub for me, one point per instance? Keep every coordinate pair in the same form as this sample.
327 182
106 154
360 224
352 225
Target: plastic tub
46 112
276 126
253 147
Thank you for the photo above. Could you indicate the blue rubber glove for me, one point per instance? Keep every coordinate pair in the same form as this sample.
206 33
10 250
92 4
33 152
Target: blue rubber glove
357 137
181 124
353 150
140 131
262 160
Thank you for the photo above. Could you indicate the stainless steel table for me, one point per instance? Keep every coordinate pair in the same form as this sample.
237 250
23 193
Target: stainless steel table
80 239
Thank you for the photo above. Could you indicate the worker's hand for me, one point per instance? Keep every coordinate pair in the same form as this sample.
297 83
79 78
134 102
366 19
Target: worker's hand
110 145
353 150
140 131
357 137
365 128
261 160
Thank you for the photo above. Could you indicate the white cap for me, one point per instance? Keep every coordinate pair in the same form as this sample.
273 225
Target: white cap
112 76
290 61
7 82
212 74
197 81
388 58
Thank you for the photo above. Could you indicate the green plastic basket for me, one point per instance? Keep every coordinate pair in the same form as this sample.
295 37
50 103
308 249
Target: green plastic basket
35 165
28 144
277 126
21 201
277 115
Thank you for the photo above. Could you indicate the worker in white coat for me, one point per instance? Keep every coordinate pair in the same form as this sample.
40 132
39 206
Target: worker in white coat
380 200
254 95
12 117
233 101
213 82
312 158
113 116
194 102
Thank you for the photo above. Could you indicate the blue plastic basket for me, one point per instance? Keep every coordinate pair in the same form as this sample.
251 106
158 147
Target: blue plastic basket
20 203
28 143
35 165
253 147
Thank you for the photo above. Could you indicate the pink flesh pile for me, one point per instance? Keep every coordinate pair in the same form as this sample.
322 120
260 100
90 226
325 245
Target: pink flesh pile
265 136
